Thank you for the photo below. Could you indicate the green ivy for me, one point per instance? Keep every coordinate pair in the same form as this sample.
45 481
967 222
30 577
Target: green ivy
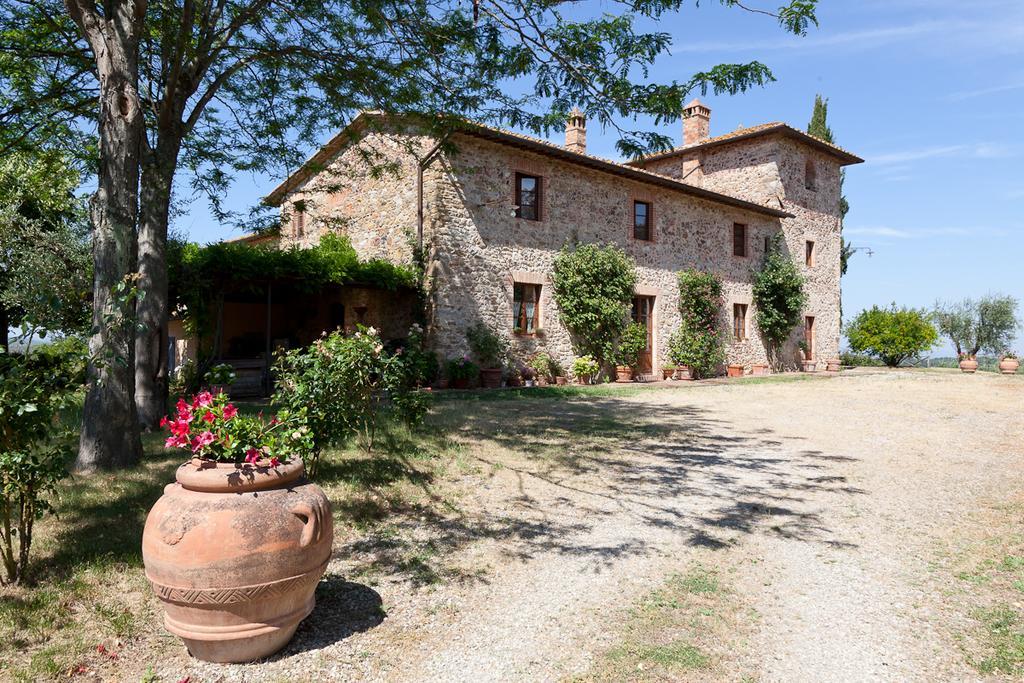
779 297
593 288
199 274
698 343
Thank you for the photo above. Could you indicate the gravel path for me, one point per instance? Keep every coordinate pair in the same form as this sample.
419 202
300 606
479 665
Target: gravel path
827 497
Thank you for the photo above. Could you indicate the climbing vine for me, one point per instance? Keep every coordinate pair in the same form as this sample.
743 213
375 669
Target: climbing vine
778 296
698 343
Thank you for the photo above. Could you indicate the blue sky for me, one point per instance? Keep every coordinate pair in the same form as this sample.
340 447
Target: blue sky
929 92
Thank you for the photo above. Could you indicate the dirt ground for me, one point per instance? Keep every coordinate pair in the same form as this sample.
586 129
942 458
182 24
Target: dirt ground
828 513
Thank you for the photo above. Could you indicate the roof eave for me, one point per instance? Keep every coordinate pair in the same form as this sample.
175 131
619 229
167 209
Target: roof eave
846 158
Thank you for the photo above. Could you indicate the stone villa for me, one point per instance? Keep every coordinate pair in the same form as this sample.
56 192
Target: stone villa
492 214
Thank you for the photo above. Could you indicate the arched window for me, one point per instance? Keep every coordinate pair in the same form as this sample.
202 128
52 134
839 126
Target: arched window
810 175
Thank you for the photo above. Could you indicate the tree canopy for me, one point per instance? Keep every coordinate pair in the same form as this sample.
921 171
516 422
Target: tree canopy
893 335
986 324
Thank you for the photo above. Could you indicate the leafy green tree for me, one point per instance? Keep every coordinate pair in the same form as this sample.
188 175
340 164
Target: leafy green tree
632 343
894 335
779 298
44 251
987 324
819 128
593 287
249 84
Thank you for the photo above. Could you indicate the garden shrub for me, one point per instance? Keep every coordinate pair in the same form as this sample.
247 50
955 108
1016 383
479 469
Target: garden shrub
544 365
461 368
35 445
346 384
893 335
631 345
698 342
593 287
585 368
988 324
489 347
779 298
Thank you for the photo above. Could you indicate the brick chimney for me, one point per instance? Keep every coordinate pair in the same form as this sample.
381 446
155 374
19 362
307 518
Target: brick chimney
576 132
696 122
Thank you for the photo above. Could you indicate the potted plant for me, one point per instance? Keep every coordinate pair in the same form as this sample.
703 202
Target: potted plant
490 350
968 363
833 365
668 371
460 371
585 369
514 375
734 370
806 363
685 372
759 369
1009 364
236 546
632 343
543 366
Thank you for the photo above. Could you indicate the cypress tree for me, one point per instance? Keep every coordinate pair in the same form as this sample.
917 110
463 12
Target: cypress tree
819 128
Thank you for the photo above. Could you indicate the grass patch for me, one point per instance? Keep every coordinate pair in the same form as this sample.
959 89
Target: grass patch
680 631
1004 640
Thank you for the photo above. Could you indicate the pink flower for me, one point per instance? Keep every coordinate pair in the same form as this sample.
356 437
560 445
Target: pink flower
201 441
274 420
184 410
164 421
230 411
179 427
209 417
252 455
274 462
176 442
202 399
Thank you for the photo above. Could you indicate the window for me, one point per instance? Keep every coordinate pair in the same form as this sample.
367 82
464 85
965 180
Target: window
641 220
767 244
525 307
739 321
810 175
527 197
739 239
809 254
299 219
809 336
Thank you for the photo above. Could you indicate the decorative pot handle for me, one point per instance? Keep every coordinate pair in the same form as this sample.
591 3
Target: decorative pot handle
310 516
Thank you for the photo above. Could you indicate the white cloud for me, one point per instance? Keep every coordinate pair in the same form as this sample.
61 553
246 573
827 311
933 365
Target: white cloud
981 92
862 39
907 233
980 150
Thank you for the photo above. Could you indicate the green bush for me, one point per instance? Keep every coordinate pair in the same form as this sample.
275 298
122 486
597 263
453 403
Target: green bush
544 365
585 368
489 347
461 368
779 297
345 384
593 287
631 345
698 341
893 335
35 447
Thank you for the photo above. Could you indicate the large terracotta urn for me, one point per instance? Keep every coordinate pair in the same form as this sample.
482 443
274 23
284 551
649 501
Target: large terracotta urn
623 373
734 370
490 378
1008 366
969 365
235 552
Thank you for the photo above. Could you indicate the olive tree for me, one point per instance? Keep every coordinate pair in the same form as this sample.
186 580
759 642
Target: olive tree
986 324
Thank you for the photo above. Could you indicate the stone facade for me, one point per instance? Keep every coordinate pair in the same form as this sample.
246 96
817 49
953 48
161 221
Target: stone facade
476 249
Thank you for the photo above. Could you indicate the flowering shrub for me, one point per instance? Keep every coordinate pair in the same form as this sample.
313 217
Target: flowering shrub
209 427
544 365
343 384
461 368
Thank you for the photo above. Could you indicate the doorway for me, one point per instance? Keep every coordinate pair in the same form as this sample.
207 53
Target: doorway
809 336
643 313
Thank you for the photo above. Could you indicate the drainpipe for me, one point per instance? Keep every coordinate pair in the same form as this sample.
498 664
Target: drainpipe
422 166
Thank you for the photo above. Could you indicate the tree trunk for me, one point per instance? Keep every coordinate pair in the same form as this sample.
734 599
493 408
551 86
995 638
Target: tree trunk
158 168
110 431
5 324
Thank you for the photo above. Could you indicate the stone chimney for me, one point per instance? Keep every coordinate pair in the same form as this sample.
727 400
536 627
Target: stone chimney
696 122
576 132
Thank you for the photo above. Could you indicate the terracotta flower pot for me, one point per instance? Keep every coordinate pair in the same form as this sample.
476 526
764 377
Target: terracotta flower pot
809 365
759 369
490 378
833 365
969 365
735 371
442 384
668 373
460 383
623 373
584 380
235 552
1008 366
684 372
560 381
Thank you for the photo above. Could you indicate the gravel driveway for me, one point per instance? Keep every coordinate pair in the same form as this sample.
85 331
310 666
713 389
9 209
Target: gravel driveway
825 499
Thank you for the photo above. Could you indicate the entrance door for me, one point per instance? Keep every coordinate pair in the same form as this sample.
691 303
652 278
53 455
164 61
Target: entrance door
809 336
643 313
